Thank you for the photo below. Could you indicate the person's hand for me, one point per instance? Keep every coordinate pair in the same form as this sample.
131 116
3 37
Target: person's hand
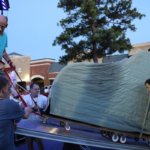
35 108
12 66
2 65
28 111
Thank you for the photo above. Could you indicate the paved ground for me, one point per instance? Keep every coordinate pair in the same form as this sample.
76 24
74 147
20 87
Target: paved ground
54 145
48 145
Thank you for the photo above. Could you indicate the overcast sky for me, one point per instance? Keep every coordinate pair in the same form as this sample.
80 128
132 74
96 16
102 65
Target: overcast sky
33 27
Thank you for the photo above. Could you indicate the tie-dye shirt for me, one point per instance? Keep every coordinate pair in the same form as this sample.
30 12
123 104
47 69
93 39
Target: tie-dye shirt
3 44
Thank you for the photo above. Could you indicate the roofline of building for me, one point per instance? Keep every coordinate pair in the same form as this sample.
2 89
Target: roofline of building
141 44
42 60
14 54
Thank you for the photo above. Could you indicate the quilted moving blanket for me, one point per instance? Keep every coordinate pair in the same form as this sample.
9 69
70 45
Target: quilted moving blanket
110 95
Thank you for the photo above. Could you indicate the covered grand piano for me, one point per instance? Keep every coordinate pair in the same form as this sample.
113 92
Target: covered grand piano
109 95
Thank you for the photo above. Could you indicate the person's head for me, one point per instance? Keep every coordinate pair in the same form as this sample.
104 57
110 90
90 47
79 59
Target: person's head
3 23
4 87
147 84
34 89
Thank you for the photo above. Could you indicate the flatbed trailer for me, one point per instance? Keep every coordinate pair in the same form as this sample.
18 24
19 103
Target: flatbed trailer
82 135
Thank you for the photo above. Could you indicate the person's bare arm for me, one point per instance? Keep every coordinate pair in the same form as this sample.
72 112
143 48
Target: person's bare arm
6 57
8 60
28 110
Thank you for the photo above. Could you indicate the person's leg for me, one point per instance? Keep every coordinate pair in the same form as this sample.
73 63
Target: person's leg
70 146
29 141
39 143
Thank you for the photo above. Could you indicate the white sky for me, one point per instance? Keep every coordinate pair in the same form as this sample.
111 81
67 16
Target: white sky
33 27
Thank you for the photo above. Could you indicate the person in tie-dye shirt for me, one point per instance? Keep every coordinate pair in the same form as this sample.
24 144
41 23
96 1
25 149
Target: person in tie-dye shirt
3 44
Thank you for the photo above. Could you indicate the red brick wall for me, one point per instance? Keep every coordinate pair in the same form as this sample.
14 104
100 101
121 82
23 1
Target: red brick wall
53 75
42 70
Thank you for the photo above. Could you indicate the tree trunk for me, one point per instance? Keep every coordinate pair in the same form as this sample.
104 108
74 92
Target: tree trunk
95 59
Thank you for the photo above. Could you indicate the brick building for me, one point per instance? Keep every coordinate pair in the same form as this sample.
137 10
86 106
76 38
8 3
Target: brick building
45 70
42 71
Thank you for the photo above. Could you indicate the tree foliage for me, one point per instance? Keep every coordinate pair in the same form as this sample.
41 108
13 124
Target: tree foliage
93 28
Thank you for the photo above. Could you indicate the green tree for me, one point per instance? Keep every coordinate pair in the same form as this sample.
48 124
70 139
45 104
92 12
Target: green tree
93 28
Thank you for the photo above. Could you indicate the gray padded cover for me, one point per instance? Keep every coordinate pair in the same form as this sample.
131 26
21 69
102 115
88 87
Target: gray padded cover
110 95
